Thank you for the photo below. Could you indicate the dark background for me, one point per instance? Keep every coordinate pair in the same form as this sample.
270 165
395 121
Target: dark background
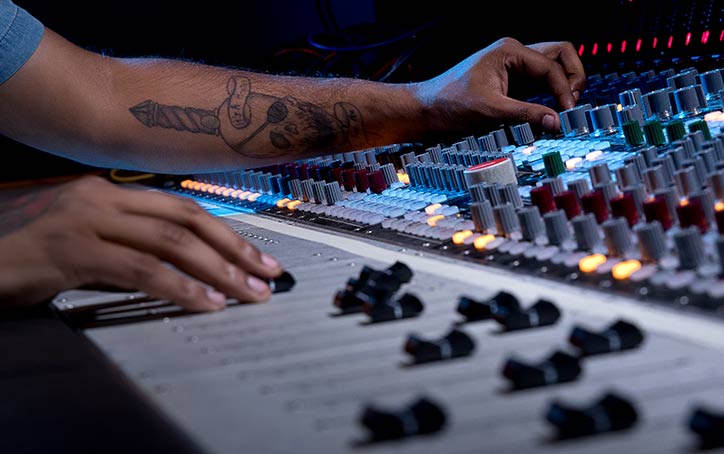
392 40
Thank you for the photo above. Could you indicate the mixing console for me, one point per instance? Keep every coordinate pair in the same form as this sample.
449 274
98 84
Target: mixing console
503 293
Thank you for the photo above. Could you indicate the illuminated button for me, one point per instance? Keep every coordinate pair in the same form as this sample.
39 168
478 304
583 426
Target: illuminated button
220 190
459 237
592 156
293 205
482 242
432 209
625 269
186 183
283 202
253 197
590 263
227 192
573 162
432 221
196 185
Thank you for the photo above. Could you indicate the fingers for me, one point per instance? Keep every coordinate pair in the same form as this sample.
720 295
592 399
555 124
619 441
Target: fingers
126 267
177 245
564 54
218 235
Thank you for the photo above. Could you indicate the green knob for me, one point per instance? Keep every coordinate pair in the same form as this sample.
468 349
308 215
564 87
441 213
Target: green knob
553 163
654 133
633 133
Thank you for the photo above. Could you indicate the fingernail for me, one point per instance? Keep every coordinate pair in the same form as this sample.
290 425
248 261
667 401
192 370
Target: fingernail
256 284
269 261
549 123
216 298
575 94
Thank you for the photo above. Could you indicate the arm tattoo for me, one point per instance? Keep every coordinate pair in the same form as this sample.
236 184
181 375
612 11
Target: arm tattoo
247 121
22 211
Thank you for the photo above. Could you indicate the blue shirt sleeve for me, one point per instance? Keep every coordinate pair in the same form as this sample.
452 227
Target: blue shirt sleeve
20 34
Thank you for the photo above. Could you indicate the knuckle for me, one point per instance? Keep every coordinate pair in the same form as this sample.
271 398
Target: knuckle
175 234
143 268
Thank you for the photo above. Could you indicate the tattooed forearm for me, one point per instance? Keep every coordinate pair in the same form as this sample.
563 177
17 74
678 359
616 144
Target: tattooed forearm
248 122
22 211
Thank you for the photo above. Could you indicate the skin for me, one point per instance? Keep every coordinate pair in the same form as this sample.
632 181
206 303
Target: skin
177 117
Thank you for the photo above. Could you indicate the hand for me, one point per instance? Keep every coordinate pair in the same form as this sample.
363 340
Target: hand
92 232
475 93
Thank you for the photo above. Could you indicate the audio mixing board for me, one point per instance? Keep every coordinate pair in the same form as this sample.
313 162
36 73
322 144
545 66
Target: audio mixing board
503 293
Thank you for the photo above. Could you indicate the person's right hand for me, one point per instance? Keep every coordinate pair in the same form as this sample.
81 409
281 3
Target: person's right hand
476 93
93 232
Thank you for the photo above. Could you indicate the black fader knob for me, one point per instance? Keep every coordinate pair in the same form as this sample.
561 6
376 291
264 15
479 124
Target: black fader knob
609 413
502 303
620 335
454 344
350 302
406 306
282 283
370 287
542 313
560 367
708 425
423 416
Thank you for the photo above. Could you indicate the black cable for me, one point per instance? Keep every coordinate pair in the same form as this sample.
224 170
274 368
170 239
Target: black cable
322 15
330 16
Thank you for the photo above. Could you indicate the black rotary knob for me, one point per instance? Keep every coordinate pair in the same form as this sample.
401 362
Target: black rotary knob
609 413
620 335
454 344
423 416
559 367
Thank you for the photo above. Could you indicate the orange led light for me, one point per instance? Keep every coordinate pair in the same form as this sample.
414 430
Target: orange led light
590 263
482 242
432 221
430 209
461 236
625 269
253 197
293 204
719 206
283 202
186 183
403 177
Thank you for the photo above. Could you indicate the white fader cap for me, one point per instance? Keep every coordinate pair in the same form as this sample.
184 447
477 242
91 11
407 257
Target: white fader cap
500 171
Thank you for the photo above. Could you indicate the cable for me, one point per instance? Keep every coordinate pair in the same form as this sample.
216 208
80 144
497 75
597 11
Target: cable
129 179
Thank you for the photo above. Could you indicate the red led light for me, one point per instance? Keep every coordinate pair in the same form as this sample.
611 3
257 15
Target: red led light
688 39
581 48
638 45
595 49
623 46
656 41
721 36
671 42
705 37
609 47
